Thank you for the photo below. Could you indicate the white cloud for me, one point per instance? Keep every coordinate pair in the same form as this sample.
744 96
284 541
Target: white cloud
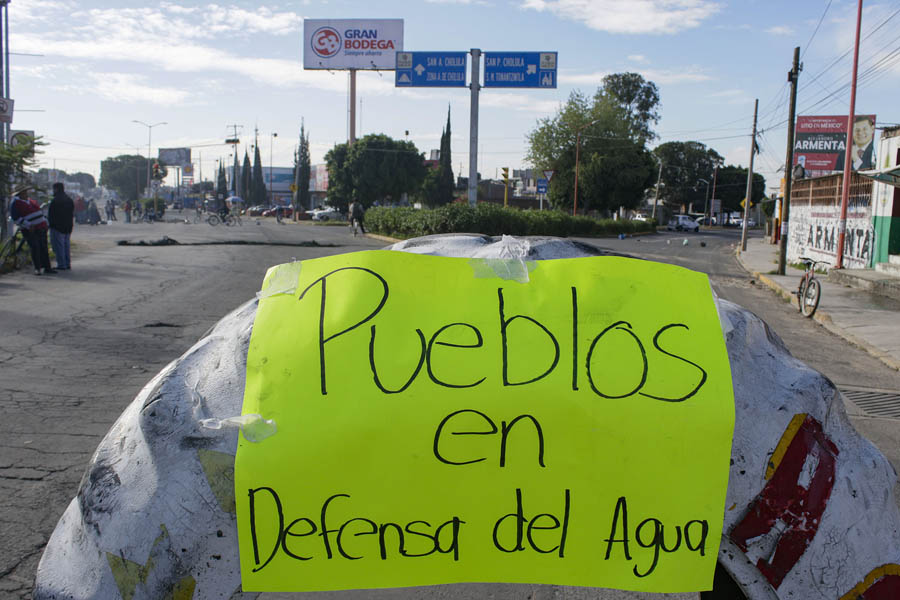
638 58
126 87
519 102
634 16
691 74
727 93
780 30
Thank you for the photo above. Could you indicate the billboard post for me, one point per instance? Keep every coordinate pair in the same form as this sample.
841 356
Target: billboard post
473 129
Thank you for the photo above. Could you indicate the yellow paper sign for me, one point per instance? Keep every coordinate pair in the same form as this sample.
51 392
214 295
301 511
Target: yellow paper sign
446 420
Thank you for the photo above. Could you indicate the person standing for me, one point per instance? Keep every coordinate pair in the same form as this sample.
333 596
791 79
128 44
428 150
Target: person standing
28 215
62 217
357 213
127 208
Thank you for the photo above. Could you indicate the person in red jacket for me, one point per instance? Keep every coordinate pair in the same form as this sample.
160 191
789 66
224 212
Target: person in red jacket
28 215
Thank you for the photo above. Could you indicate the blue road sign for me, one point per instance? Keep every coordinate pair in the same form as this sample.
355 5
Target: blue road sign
430 69
520 69
542 186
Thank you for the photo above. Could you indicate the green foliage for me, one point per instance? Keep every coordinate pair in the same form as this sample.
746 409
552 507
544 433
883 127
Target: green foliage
302 170
257 182
639 98
375 168
445 183
492 219
731 186
125 174
221 183
610 129
684 165
246 172
236 176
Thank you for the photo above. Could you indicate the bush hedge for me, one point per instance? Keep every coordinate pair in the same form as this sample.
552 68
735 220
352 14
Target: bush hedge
492 219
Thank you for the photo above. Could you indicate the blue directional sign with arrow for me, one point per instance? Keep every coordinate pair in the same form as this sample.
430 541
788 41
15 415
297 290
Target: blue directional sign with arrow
431 69
520 69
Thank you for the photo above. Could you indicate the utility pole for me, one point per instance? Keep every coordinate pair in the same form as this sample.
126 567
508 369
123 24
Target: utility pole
715 176
848 159
352 106
793 74
749 193
658 181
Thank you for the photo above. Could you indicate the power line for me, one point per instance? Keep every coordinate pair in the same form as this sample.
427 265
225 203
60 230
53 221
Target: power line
816 30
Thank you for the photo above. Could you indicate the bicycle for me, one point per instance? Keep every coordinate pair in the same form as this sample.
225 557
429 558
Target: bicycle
232 220
810 290
11 255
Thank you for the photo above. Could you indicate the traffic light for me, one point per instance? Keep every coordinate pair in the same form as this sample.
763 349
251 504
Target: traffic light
505 171
156 171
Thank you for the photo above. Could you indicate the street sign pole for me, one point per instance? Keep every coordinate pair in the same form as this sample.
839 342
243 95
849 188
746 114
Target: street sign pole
473 128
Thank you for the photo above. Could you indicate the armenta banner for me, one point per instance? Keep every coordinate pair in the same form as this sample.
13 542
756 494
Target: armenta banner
820 145
351 43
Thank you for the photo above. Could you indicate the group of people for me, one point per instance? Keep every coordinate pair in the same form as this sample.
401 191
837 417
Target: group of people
34 225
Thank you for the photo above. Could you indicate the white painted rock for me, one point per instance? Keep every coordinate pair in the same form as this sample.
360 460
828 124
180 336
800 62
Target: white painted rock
810 511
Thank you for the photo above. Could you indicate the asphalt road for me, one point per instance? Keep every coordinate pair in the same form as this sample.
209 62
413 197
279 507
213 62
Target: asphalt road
78 346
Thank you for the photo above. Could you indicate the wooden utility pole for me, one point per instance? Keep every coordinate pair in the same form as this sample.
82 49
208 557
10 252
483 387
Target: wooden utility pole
749 193
793 74
848 157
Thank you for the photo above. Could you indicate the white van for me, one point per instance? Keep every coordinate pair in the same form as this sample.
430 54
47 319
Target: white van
683 223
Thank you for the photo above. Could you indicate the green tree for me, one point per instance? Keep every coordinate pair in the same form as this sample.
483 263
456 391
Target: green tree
445 183
246 173
257 182
340 179
684 164
614 165
637 96
302 169
376 168
221 183
15 164
236 176
731 186
125 174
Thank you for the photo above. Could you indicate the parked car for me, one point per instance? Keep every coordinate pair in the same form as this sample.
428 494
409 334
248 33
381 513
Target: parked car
287 211
255 211
326 213
640 217
683 223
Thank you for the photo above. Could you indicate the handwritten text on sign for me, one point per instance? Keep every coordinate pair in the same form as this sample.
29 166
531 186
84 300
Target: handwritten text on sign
435 426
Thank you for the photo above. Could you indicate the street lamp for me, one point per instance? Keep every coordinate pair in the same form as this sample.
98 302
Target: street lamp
149 137
271 142
577 151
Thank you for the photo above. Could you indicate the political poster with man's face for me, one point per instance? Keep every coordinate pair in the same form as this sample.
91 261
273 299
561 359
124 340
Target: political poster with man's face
820 145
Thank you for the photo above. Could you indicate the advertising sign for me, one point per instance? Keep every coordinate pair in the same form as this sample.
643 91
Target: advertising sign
175 157
6 110
520 69
517 427
431 69
351 43
820 145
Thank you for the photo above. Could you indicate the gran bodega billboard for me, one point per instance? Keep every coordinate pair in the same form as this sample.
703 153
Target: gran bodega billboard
821 143
351 43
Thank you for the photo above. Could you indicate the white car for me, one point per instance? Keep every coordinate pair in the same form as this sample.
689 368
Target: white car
683 223
326 213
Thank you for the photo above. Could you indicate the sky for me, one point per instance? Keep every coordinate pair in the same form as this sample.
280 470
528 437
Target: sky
83 70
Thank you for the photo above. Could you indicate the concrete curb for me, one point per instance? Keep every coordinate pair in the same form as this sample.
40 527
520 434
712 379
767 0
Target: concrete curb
823 318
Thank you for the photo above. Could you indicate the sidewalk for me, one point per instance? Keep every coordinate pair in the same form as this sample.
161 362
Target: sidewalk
867 320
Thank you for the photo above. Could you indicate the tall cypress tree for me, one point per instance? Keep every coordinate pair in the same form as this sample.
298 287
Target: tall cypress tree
445 169
236 176
302 171
246 172
258 184
221 185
